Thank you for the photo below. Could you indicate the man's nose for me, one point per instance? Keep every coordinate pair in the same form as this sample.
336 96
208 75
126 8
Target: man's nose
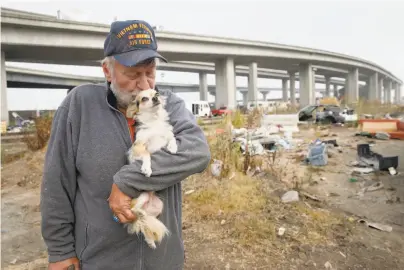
143 83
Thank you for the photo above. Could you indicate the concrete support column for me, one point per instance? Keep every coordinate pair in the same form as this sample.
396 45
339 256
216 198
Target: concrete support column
314 86
398 94
336 94
387 90
245 98
4 103
285 90
253 83
235 85
219 87
306 84
225 88
346 89
292 90
203 86
352 86
373 87
264 95
327 86
380 90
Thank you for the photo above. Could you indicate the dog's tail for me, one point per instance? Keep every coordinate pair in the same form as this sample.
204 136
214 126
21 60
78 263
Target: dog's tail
152 228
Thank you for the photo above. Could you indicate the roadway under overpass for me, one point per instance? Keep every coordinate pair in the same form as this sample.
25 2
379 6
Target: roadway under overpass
46 39
31 78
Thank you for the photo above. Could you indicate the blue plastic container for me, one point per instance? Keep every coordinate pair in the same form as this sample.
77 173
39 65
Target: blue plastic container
317 155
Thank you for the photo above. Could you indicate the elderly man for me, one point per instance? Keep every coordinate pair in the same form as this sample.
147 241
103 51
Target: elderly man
88 184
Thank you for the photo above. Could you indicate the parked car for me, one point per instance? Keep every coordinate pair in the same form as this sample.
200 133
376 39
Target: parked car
199 108
326 114
222 111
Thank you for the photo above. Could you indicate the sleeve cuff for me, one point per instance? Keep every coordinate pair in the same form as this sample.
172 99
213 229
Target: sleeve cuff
131 192
58 258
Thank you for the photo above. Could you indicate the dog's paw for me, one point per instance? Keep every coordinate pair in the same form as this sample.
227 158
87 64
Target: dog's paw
152 245
172 148
146 170
132 228
131 157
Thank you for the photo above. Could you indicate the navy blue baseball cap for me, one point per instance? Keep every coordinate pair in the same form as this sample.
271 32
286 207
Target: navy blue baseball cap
131 42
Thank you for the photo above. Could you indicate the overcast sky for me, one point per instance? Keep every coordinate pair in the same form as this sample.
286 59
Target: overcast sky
373 30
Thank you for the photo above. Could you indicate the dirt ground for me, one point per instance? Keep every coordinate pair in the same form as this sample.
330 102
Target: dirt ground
207 243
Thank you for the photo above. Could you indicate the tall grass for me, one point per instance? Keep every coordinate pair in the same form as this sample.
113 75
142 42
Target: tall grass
42 130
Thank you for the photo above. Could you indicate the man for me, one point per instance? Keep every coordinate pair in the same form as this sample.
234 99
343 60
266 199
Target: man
88 184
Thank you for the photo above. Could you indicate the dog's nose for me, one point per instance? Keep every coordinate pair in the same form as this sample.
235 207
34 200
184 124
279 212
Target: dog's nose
154 99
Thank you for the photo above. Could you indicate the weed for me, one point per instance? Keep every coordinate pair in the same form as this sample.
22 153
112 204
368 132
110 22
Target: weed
42 131
222 148
238 119
7 157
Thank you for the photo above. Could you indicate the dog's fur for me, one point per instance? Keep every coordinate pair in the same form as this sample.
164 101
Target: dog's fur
153 132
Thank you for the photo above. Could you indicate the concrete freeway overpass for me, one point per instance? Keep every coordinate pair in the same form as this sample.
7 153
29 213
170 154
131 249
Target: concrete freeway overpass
31 78
45 39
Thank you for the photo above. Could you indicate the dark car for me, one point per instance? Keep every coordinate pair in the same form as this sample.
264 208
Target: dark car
324 114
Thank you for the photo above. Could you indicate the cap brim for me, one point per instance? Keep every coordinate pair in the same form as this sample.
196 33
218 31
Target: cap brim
132 58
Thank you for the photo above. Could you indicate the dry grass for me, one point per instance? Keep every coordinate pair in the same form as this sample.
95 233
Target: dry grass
249 216
200 121
229 153
246 211
8 158
42 131
254 118
238 119
376 108
289 110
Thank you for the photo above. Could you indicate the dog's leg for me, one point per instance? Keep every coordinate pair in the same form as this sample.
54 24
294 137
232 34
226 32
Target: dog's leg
146 166
136 226
154 207
136 151
131 154
139 151
152 229
139 202
149 237
172 144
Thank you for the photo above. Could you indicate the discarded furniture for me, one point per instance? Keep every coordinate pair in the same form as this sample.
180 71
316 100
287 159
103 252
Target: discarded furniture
375 160
394 127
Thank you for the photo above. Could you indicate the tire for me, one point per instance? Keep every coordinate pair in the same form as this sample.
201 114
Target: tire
328 120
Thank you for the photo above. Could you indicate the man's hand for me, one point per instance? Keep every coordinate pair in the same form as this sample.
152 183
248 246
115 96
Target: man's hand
119 203
64 265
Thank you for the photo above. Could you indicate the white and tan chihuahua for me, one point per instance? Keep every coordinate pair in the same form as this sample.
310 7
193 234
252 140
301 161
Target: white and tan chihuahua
153 132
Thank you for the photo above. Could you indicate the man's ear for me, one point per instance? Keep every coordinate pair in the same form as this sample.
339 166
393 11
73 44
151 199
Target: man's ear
132 109
107 72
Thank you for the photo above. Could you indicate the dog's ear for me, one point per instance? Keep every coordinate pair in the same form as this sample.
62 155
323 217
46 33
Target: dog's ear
132 109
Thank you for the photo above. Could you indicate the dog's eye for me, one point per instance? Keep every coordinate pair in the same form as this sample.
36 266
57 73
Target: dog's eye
144 99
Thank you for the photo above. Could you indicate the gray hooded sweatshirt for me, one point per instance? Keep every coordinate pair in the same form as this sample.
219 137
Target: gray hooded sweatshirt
86 154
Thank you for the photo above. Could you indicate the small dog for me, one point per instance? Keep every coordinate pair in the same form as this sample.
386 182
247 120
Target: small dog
153 132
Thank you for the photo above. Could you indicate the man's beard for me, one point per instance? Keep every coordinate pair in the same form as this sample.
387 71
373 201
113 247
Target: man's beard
123 97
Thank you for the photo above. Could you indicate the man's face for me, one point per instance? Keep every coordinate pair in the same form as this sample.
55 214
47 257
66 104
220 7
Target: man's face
126 82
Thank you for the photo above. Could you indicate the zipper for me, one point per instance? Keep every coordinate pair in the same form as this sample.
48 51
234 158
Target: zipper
124 118
130 140
141 251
